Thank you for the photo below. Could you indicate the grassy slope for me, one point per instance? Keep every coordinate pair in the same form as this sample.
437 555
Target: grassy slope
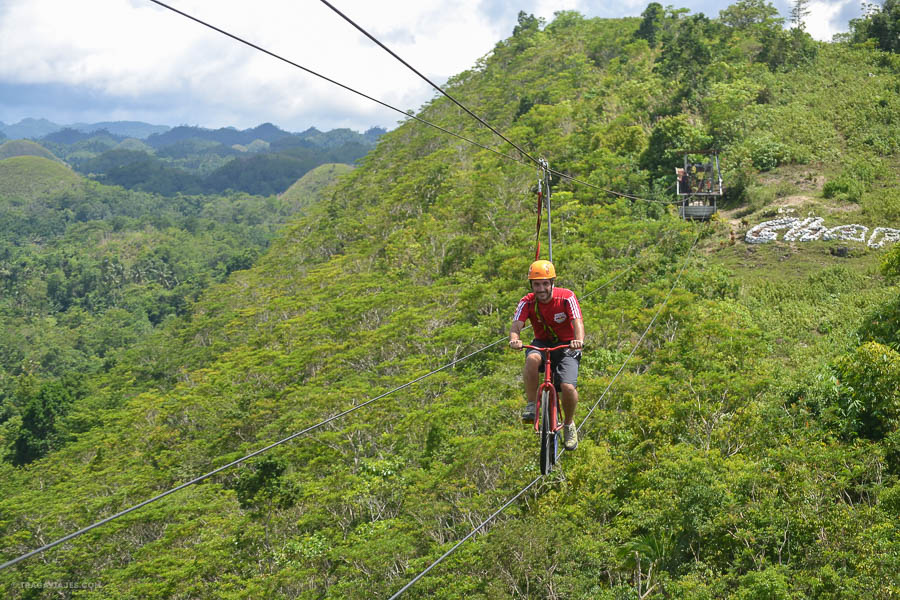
32 177
309 187
13 148
704 461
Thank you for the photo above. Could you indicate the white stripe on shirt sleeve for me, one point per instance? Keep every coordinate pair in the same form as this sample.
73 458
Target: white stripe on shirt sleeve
573 306
519 309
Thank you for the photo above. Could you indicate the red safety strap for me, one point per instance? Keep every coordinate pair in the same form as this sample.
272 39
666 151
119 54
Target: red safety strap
540 208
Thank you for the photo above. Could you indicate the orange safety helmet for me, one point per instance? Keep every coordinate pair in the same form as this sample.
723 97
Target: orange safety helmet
541 269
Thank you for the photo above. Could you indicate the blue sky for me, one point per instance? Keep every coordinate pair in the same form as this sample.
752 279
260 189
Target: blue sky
102 60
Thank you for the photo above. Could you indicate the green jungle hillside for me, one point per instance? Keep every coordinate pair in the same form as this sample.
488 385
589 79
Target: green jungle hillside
88 270
744 440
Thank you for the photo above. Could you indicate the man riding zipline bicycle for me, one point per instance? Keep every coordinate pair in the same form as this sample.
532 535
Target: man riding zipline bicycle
556 319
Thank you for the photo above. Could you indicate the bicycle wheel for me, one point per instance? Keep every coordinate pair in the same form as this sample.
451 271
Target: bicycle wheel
547 435
554 447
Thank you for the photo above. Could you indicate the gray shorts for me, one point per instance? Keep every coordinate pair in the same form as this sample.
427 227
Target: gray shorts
564 362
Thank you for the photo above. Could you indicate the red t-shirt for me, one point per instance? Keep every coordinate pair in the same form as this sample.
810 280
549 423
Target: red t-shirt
557 314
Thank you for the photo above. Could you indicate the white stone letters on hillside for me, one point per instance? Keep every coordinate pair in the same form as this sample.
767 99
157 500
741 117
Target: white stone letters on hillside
813 228
884 235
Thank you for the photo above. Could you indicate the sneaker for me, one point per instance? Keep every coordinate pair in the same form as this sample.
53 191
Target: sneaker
571 435
528 413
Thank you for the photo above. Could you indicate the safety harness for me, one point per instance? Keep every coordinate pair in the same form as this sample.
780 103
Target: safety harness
540 318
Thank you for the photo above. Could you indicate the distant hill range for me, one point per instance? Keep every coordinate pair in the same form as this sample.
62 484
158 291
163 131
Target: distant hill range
262 160
159 136
229 136
36 129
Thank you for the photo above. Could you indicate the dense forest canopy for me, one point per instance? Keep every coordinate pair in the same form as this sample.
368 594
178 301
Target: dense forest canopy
88 270
748 446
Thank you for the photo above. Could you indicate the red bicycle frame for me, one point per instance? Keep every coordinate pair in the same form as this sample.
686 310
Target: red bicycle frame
547 384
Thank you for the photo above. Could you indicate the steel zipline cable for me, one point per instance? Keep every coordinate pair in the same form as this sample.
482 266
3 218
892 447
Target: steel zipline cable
465 539
429 82
609 191
519 494
643 335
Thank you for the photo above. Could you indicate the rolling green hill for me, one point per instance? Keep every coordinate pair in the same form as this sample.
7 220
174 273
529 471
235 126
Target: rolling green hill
747 445
33 177
24 148
308 188
134 145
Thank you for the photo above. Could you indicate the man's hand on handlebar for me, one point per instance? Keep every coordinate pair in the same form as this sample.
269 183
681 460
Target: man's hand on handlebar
576 344
515 344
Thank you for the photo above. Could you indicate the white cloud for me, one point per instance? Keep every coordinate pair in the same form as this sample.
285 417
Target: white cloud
106 44
824 18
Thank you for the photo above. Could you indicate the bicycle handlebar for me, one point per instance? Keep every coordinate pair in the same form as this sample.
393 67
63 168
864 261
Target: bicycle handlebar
529 346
